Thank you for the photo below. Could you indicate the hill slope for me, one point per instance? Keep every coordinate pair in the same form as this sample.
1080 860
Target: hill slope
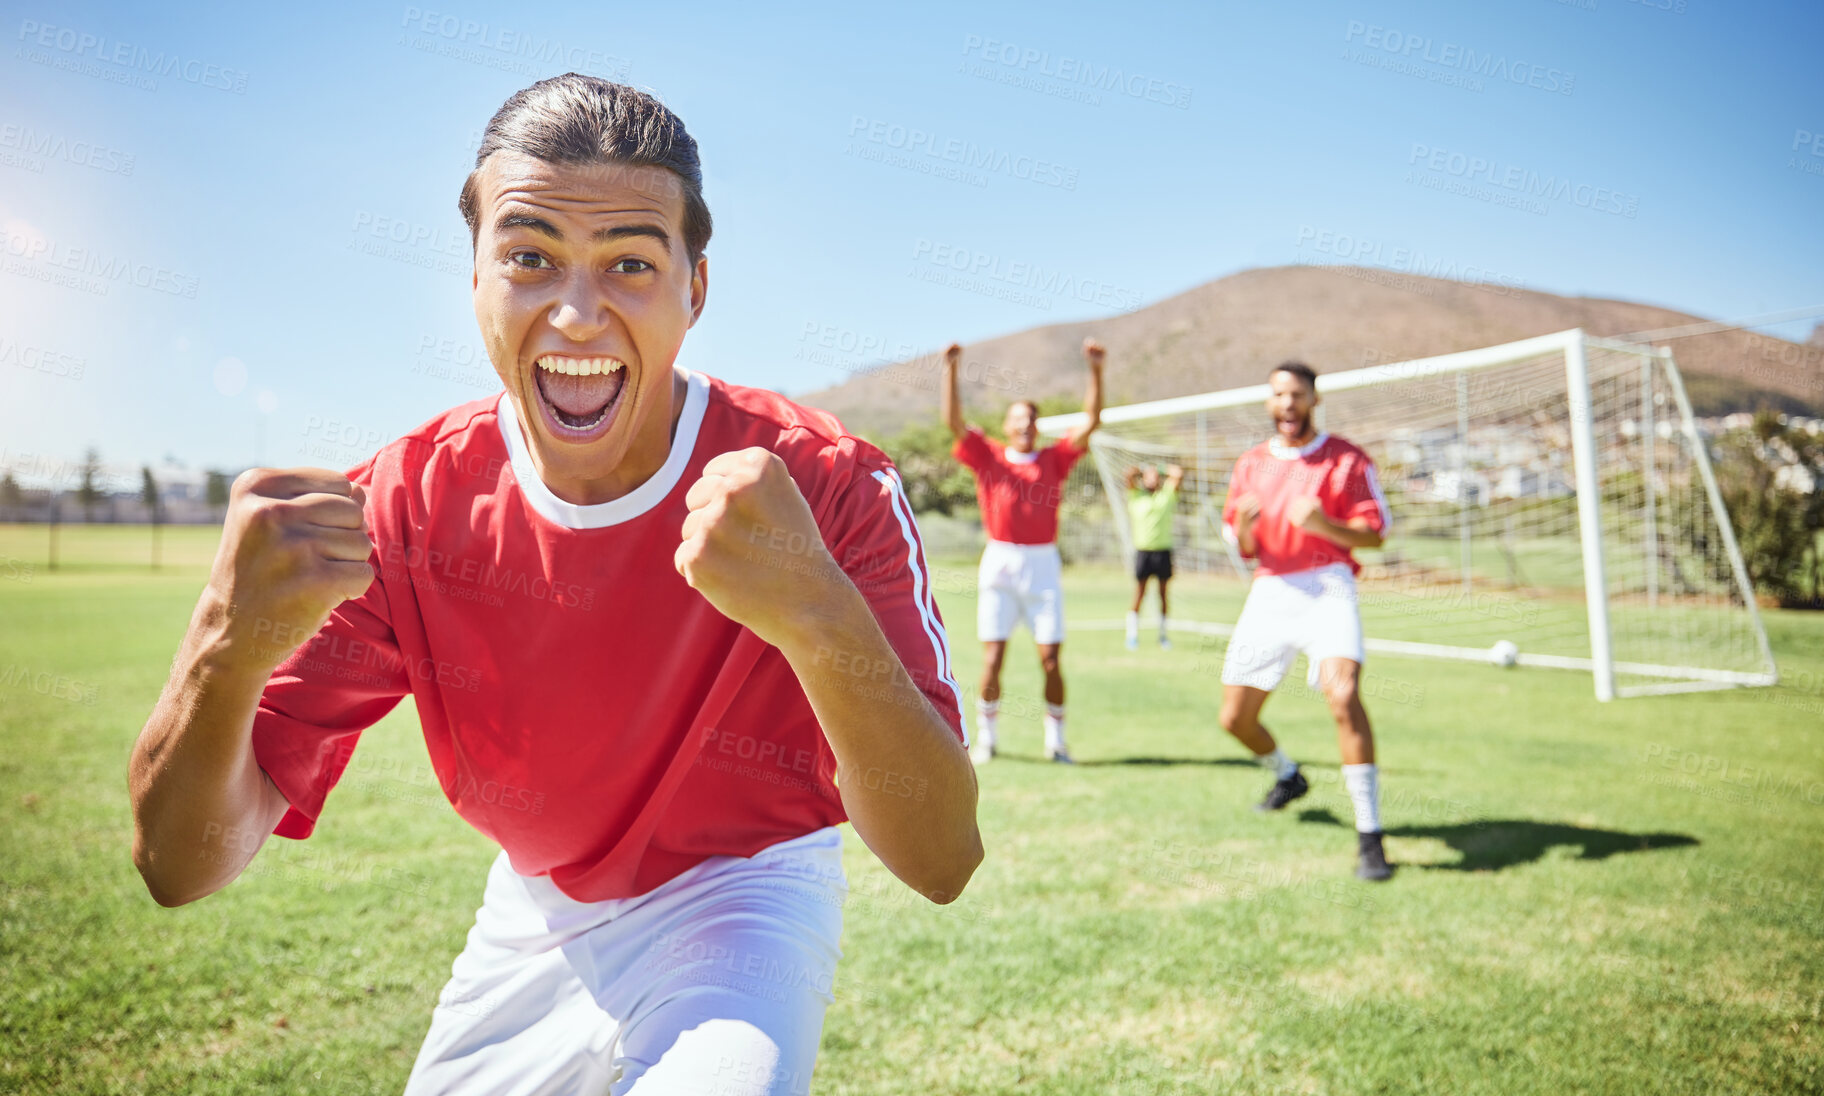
1230 331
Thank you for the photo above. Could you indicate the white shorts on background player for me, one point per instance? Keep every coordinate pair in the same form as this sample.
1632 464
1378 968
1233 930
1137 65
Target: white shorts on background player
715 982
1020 582
1313 611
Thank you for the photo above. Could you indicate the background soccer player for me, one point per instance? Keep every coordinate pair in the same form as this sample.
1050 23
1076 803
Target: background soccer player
1019 487
637 665
1149 516
1299 503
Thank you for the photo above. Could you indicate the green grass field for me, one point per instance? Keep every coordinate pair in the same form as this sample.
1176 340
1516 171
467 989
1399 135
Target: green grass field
1620 898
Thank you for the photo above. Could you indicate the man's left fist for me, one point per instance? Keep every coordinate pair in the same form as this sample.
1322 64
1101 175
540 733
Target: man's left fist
750 544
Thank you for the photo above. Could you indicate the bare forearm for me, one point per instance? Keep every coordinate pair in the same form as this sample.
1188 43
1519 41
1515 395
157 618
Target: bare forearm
906 781
1245 540
1356 534
201 805
952 404
1092 410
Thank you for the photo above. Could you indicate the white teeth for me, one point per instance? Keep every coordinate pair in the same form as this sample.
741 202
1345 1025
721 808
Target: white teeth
580 367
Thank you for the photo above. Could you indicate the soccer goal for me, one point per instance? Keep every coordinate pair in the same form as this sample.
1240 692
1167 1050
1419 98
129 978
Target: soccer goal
1553 493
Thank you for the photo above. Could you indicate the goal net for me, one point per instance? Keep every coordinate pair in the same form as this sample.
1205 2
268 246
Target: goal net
1552 493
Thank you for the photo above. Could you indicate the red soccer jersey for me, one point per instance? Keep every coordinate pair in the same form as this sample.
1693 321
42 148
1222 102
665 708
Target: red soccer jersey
582 705
1018 493
1341 476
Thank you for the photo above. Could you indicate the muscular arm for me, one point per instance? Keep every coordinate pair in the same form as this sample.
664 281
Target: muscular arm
1247 512
294 546
950 404
201 805
1094 355
906 782
1355 533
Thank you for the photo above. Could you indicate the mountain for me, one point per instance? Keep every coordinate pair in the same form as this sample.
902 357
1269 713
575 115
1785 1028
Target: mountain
1230 331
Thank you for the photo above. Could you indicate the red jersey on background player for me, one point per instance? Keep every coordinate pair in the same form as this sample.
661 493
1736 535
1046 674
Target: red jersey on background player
1300 503
1019 487
662 633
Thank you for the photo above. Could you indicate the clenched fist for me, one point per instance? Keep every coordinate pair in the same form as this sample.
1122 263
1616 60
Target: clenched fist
1094 353
294 546
1306 513
750 544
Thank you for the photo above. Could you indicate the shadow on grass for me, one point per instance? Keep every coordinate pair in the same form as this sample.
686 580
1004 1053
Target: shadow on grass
1496 843
1233 762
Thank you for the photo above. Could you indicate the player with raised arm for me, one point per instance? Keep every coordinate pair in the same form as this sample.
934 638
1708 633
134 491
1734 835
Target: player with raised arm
663 634
1019 487
1150 507
1300 503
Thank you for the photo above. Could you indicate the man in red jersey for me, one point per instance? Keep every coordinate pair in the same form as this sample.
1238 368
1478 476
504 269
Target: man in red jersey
663 634
1019 487
1299 503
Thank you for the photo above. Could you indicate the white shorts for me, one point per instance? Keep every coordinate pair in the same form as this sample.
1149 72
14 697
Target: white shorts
1312 611
1019 582
712 984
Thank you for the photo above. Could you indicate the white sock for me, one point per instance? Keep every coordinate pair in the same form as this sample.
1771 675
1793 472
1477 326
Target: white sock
987 714
1363 782
1054 726
1281 765
1133 624
1161 625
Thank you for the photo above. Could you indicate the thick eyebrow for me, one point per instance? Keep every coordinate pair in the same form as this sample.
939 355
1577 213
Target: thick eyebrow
600 235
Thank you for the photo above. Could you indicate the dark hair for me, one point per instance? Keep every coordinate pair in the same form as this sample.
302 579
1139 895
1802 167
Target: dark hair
572 119
1298 369
1031 406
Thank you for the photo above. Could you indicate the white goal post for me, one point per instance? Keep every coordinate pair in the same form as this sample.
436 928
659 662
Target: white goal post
1554 493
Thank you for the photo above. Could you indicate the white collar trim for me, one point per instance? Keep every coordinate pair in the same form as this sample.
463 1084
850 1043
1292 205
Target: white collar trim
1014 456
1286 452
614 511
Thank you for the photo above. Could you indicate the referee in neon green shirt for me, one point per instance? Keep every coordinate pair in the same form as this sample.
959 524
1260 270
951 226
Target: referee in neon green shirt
1149 513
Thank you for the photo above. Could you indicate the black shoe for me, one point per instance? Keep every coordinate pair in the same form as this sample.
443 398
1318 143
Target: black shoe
1372 863
1285 791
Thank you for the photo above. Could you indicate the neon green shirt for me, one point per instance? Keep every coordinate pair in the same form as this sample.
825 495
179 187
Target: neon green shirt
1150 514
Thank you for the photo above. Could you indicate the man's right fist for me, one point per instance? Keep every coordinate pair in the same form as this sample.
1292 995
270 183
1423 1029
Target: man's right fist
294 546
953 354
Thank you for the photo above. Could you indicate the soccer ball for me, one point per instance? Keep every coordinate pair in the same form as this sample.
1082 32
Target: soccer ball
1504 653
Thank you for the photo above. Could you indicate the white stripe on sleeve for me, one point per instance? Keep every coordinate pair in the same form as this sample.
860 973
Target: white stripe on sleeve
921 592
1374 485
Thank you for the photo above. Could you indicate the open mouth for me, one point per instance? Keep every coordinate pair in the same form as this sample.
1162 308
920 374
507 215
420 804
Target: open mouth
579 395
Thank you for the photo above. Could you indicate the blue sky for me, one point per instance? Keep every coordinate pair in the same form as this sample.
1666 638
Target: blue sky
230 235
